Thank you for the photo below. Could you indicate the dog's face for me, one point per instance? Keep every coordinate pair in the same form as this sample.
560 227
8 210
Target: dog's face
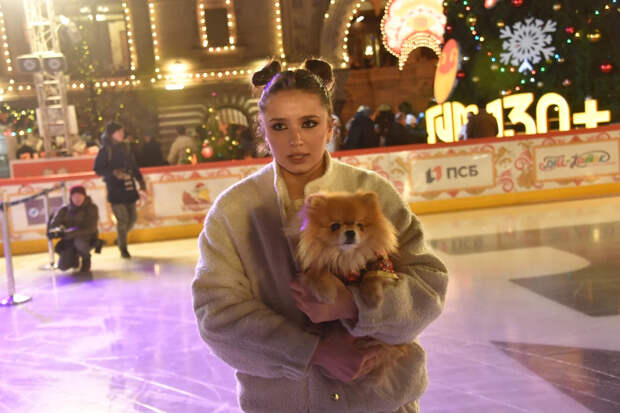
346 222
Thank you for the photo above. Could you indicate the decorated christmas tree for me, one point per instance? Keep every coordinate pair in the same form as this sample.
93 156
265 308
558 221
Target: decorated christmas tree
513 46
18 122
216 142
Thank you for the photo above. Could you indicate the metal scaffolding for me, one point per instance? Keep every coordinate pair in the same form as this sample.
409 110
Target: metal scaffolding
50 82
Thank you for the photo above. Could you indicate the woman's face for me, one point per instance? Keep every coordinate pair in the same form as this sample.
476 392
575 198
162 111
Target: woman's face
297 128
119 135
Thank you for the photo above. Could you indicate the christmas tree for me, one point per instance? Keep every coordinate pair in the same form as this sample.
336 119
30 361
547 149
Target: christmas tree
564 46
216 142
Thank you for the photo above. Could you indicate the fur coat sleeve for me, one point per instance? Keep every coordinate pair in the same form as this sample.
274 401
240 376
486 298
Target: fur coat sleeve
236 324
418 297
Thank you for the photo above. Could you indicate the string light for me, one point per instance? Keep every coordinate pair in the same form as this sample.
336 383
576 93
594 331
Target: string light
345 37
202 17
278 25
151 4
329 7
8 61
230 22
131 39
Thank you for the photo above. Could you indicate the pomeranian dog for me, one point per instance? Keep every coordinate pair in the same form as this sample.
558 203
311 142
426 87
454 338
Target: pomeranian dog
345 235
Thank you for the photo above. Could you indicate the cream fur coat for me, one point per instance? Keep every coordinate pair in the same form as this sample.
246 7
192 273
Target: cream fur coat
247 315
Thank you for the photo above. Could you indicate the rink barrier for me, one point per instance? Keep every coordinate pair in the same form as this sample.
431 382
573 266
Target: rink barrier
480 173
12 297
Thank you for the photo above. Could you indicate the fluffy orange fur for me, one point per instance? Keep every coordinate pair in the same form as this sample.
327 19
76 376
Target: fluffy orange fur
341 233
326 252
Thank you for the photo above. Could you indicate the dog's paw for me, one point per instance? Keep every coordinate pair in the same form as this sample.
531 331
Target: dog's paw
325 293
371 291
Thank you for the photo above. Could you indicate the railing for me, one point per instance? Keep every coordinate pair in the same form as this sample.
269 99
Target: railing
13 298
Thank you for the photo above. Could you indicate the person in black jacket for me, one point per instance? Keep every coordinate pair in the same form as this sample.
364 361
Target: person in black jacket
150 153
398 134
76 225
361 131
117 165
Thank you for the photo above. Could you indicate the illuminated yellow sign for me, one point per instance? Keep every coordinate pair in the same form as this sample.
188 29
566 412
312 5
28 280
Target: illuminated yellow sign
444 121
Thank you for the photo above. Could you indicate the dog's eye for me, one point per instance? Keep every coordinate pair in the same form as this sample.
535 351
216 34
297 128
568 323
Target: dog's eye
360 226
335 226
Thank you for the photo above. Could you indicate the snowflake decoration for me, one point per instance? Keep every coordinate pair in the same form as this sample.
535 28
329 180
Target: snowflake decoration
526 42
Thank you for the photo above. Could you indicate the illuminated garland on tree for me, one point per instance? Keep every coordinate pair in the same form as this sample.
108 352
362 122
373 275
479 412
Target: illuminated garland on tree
215 142
583 63
19 122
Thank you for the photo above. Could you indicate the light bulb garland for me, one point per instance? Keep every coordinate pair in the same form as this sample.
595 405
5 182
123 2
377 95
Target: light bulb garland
327 14
592 35
277 9
345 38
230 21
131 39
153 22
6 54
494 61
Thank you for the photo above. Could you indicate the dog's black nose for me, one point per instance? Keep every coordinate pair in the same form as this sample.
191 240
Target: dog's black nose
350 237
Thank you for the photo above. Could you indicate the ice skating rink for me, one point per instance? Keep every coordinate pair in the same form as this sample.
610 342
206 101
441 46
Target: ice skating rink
531 324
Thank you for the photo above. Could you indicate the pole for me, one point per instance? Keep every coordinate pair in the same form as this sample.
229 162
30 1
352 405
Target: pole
50 245
12 299
65 193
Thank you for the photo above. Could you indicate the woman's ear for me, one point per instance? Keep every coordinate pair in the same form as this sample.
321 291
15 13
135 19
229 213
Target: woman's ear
330 128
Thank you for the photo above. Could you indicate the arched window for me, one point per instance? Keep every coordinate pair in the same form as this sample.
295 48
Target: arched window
364 45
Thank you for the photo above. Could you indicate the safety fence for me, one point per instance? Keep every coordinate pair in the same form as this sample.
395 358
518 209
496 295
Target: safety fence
13 298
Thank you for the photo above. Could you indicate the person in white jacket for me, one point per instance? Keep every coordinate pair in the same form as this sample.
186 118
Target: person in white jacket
250 310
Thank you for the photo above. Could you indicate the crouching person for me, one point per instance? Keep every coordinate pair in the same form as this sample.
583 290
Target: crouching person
76 226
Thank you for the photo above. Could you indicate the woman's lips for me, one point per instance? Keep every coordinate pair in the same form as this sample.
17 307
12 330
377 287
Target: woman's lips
298 158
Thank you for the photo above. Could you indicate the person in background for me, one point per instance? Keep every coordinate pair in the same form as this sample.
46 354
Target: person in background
361 133
398 134
462 136
335 143
25 150
181 143
482 125
150 153
117 165
415 129
76 226
384 119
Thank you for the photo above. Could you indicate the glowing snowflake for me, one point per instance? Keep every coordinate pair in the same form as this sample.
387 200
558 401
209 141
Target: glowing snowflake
526 42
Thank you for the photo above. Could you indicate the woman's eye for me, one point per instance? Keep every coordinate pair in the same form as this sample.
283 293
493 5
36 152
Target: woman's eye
335 226
310 123
278 126
360 226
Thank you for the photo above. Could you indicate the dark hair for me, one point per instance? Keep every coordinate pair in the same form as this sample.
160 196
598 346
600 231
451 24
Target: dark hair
77 189
110 129
315 77
181 130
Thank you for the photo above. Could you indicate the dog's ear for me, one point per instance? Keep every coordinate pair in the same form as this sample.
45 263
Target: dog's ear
371 198
316 200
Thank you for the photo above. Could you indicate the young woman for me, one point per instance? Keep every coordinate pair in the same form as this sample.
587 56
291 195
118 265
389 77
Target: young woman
117 165
249 309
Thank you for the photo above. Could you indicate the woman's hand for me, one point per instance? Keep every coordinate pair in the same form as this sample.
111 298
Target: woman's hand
341 359
343 307
120 174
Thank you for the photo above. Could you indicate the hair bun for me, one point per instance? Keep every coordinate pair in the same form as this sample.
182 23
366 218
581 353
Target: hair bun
264 76
322 69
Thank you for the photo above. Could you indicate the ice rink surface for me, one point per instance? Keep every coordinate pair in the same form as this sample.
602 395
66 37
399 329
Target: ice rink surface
531 324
